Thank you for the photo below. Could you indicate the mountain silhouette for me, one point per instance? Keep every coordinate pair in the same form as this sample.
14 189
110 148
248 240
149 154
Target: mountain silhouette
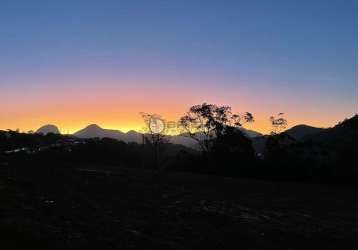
298 133
133 136
345 129
301 131
342 133
95 131
47 129
250 133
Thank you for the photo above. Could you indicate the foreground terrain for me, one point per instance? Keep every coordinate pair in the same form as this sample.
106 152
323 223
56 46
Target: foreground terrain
63 206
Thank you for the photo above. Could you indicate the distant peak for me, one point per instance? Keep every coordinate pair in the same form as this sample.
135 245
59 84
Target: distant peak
93 126
49 128
353 121
132 132
49 125
303 126
302 130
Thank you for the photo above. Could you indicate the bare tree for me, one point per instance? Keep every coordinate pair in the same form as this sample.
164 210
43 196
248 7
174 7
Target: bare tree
154 133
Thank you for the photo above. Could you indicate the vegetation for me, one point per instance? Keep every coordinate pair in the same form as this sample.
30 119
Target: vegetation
62 192
207 123
328 155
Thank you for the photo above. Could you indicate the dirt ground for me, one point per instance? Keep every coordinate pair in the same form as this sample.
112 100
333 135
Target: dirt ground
97 207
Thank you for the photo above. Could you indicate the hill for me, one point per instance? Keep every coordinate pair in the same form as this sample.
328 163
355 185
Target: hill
95 131
47 129
343 132
301 131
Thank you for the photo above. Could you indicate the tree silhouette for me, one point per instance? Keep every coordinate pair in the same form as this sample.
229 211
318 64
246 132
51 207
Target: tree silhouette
278 123
277 143
154 134
203 123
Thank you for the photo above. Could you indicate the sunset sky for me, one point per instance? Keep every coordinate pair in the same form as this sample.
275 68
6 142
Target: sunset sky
74 63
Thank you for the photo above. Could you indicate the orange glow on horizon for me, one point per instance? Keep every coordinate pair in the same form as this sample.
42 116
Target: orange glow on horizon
73 120
119 103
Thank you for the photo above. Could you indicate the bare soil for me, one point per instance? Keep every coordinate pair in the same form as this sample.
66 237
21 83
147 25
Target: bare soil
98 207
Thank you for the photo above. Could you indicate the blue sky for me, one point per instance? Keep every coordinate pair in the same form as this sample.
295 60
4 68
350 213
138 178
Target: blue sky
290 55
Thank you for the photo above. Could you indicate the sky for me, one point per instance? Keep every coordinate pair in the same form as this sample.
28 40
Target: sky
74 63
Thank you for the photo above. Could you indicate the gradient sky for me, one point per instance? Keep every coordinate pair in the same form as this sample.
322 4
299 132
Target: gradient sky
72 63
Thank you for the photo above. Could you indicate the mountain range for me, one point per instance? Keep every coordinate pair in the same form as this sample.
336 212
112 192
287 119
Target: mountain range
299 132
95 131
